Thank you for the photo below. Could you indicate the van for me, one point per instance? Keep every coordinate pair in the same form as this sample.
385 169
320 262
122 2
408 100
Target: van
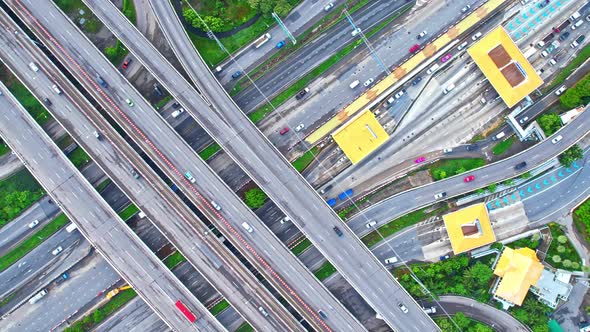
578 41
247 227
449 88
431 310
38 296
354 84
499 136
141 214
432 69
577 24
575 16
390 260
56 89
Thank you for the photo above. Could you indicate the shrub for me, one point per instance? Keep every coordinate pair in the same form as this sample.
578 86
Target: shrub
560 249
577 95
492 187
575 265
556 258
570 155
566 263
550 123
562 239
255 198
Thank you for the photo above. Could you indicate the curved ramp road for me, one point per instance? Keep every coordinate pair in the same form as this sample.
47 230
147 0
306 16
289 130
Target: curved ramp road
151 194
132 259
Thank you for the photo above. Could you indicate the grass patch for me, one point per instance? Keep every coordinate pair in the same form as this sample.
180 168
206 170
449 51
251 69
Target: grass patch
219 307
302 162
99 314
33 242
29 102
561 246
173 260
503 146
116 54
73 7
79 157
17 193
400 223
7 299
301 247
4 149
128 212
103 185
245 328
129 11
209 151
567 70
326 270
445 168
463 322
163 102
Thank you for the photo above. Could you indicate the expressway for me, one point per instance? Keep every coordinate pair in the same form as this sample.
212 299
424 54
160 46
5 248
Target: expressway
265 165
302 286
96 220
157 201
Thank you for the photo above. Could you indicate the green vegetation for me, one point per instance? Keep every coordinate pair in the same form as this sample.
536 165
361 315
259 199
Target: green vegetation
128 212
550 123
129 11
4 149
219 307
503 146
7 299
400 223
245 328
464 323
561 247
577 95
29 102
116 53
209 151
99 314
78 157
173 260
567 70
581 218
219 16
457 275
162 102
255 198
73 7
449 167
527 242
33 242
302 162
17 193
570 155
325 271
532 313
301 247
100 187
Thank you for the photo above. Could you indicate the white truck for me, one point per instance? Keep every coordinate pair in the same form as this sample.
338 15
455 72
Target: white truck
38 296
530 52
71 227
262 40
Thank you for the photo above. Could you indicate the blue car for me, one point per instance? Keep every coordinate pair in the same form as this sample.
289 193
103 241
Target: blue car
281 44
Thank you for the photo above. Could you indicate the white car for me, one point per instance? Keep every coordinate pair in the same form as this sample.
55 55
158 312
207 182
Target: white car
329 6
368 82
129 102
560 90
57 250
33 67
261 309
176 113
422 34
448 150
399 94
356 32
477 35
247 227
371 224
299 127
523 120
465 9
403 308
556 139
216 206
34 223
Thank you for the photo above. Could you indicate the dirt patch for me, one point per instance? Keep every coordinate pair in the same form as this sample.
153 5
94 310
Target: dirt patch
420 178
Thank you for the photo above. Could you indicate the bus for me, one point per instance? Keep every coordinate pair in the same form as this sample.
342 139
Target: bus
189 315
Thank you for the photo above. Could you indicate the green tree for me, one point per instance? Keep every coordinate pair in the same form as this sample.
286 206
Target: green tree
560 249
570 155
575 265
562 239
282 8
481 273
526 175
461 320
556 258
566 263
535 237
255 198
550 123
480 191
492 187
576 95
97 316
460 170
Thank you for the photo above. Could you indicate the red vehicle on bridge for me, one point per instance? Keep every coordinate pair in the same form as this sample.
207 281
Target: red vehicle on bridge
414 48
187 313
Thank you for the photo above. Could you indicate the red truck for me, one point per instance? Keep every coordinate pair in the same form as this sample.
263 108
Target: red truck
187 313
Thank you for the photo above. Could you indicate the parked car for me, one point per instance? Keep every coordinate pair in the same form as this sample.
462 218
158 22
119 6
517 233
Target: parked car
371 224
469 178
557 139
421 34
301 93
416 80
444 257
465 9
284 131
399 94
477 35
126 63
414 48
299 127
446 58
560 90
564 36
368 82
236 74
420 160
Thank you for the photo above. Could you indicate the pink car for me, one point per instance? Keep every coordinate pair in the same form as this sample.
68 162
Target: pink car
446 58
420 160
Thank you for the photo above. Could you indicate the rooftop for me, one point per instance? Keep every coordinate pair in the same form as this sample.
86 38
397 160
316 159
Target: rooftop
360 136
507 69
469 228
519 270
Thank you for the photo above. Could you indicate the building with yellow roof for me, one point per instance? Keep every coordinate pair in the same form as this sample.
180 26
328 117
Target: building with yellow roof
469 228
519 269
360 136
504 65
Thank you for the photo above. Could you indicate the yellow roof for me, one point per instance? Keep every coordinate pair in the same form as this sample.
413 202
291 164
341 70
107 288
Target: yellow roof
519 269
469 228
509 72
360 136
398 73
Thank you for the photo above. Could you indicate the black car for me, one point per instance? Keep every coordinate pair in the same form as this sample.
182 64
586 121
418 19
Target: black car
301 93
416 80
47 102
322 314
520 166
176 105
564 36
102 82
236 74
337 231
471 147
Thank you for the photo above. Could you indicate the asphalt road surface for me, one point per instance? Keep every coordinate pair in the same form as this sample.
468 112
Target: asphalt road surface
218 267
257 156
67 187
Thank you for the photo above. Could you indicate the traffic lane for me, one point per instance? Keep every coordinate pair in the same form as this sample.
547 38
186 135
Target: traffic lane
18 229
289 263
59 303
257 147
402 203
314 53
135 316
